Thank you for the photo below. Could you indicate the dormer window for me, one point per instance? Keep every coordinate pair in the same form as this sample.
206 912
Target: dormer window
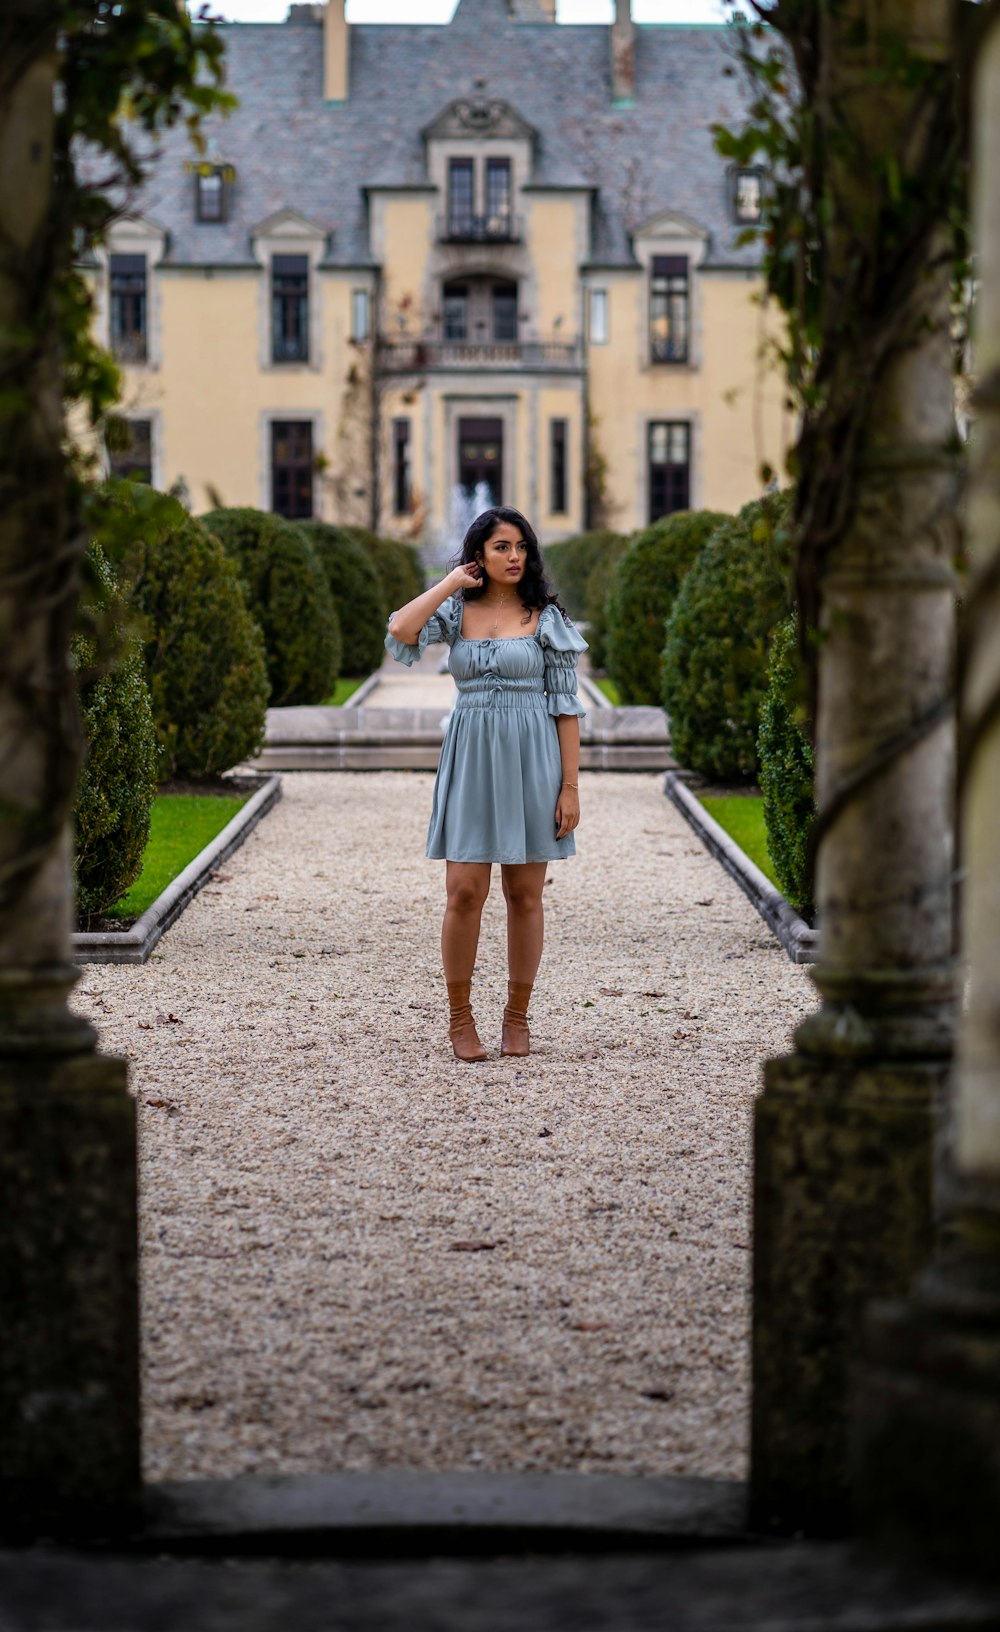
747 195
211 193
461 197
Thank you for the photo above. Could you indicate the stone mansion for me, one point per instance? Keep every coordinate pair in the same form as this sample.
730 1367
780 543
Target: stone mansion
419 264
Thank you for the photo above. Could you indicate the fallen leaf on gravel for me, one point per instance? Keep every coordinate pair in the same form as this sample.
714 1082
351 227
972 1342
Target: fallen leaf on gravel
334 952
144 1025
657 1393
474 1246
652 994
162 1105
546 1133
167 1020
709 903
389 1218
611 991
591 1326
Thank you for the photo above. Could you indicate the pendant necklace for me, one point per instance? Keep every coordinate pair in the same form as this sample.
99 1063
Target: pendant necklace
499 607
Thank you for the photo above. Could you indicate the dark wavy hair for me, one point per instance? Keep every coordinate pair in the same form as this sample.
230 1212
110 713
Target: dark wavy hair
534 588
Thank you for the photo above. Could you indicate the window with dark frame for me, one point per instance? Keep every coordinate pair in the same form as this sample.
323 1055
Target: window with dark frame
292 468
128 307
135 460
461 196
557 466
668 309
455 311
505 311
747 194
402 485
290 309
669 467
211 195
498 198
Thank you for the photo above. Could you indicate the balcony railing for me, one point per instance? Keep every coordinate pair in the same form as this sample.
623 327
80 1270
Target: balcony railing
423 356
479 229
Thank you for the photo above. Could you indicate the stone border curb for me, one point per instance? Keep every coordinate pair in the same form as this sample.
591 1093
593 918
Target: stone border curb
364 690
134 945
405 1511
797 937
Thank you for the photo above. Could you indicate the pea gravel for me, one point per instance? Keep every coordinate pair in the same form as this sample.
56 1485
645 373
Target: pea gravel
358 1253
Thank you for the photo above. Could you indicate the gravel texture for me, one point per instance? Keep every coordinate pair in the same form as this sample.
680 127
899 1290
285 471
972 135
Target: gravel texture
358 1253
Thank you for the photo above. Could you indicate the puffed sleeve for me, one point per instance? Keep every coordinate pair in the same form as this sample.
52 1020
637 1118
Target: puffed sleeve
561 646
440 629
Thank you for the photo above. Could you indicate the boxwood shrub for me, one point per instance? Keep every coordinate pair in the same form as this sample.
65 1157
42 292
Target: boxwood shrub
204 653
595 600
398 567
641 596
357 588
117 784
570 562
786 768
289 598
718 640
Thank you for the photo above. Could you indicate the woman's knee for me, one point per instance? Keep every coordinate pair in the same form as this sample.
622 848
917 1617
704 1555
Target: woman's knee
466 895
522 897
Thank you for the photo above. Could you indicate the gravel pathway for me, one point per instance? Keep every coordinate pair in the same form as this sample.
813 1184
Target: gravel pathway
358 1253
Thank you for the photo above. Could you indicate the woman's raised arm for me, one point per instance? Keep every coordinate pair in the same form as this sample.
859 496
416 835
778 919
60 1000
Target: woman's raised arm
406 624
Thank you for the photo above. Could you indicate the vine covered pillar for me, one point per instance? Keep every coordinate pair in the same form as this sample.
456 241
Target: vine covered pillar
69 1392
928 1405
844 1129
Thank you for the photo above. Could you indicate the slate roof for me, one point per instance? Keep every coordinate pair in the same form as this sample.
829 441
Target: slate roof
293 150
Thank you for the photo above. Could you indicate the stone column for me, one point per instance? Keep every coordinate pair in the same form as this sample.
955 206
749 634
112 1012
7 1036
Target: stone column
844 1129
69 1390
928 1403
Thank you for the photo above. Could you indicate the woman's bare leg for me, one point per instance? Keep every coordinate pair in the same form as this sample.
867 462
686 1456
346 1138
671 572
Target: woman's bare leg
522 888
468 885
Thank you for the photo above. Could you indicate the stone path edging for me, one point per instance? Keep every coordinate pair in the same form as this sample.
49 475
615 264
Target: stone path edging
398 1509
134 945
797 937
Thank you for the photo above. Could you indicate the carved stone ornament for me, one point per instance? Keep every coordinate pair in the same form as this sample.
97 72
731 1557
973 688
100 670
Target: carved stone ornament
479 116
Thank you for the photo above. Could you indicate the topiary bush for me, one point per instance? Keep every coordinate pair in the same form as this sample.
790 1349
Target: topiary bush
357 589
786 768
117 784
718 639
595 602
289 598
641 596
398 567
571 561
204 653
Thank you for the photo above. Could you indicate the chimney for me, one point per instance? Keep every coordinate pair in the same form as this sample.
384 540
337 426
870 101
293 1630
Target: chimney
623 54
336 52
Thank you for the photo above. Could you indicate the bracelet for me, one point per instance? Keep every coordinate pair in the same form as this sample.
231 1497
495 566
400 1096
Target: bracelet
574 785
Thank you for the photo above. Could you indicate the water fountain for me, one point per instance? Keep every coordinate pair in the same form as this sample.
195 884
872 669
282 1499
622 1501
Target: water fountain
466 504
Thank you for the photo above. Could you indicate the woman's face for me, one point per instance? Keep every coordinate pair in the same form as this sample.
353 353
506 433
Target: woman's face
504 556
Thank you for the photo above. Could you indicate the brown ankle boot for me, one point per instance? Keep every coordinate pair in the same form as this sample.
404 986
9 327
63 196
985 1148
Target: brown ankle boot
515 1038
462 1027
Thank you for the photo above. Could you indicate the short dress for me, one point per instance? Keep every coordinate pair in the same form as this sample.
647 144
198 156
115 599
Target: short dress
500 770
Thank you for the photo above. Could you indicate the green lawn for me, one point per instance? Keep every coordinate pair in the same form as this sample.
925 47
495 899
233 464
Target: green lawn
742 816
609 689
181 824
345 687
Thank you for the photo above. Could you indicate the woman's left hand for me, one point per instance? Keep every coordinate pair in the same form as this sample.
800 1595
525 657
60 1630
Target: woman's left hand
567 812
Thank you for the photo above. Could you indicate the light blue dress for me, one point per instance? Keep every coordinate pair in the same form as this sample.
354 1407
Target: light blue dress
500 769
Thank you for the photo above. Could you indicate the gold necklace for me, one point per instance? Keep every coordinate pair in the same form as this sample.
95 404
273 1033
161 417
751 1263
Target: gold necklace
500 604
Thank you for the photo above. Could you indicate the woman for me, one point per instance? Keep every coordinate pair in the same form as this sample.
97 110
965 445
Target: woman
508 782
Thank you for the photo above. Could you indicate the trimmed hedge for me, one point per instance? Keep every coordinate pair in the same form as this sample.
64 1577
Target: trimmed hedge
289 598
357 588
398 567
204 654
786 768
571 561
641 598
718 639
117 784
595 603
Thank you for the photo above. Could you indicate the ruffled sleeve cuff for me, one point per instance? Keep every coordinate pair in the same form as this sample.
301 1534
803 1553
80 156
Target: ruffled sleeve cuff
439 629
561 646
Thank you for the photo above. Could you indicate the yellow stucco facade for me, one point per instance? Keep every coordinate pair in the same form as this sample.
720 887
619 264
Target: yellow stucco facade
479 346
